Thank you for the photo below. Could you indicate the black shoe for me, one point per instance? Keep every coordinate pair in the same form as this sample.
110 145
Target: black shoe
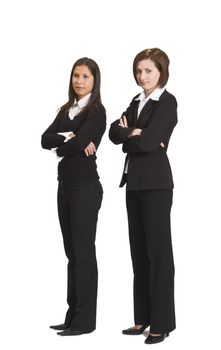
60 327
156 339
73 332
134 331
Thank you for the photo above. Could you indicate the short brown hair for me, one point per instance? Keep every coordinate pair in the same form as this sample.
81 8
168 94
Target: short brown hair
160 59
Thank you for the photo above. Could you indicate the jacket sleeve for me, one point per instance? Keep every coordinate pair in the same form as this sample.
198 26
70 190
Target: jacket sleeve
161 125
118 134
94 123
50 138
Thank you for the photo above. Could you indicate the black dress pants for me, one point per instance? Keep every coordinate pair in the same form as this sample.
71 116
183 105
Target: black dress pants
152 258
78 206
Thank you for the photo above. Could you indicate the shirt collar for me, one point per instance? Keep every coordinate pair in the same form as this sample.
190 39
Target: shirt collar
83 101
155 95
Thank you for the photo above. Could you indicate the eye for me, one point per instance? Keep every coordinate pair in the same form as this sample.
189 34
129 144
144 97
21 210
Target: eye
75 75
148 70
85 76
138 71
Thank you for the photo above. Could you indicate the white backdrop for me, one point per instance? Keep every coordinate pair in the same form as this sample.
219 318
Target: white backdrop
40 40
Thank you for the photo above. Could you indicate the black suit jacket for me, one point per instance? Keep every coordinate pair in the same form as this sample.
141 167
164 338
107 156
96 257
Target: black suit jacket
148 166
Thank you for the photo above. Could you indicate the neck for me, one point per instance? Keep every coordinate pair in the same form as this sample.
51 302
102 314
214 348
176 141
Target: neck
148 92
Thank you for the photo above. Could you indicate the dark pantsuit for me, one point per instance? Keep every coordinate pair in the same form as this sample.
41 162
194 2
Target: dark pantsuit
78 206
152 258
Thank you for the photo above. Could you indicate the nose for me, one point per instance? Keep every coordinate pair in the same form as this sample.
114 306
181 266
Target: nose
79 80
142 75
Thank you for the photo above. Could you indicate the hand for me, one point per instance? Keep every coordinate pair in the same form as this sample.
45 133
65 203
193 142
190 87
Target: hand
162 145
71 135
90 149
135 132
123 122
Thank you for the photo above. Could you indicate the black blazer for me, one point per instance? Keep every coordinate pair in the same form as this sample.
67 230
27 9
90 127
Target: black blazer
89 125
148 166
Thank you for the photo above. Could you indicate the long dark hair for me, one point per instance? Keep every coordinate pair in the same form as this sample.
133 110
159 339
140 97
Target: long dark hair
95 95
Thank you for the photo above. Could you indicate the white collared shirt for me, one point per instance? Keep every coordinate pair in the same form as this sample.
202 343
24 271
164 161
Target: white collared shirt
78 106
155 95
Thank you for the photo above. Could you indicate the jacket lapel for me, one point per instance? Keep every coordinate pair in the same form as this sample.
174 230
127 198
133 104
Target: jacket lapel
146 113
133 116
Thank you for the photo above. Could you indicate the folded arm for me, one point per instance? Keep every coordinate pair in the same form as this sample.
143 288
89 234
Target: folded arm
120 129
50 139
151 137
93 124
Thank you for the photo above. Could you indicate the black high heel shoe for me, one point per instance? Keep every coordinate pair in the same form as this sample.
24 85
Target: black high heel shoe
60 327
135 331
156 339
70 331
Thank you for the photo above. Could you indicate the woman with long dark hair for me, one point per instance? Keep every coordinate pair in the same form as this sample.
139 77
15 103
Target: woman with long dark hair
75 135
144 130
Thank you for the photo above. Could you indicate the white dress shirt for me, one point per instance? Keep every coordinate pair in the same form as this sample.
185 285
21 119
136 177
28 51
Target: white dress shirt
155 95
78 106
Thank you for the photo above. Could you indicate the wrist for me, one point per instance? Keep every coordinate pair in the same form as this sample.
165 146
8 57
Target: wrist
135 132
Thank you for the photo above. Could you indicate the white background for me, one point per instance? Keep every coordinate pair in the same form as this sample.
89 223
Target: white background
40 41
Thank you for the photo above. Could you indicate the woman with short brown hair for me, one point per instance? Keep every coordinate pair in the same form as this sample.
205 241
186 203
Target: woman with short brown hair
144 130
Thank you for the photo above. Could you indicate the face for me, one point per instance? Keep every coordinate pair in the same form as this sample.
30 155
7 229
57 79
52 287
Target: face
147 75
82 81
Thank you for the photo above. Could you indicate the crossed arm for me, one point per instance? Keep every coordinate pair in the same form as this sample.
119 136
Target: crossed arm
74 143
89 150
155 134
135 132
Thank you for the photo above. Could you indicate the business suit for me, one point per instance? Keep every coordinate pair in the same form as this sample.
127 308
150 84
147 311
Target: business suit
149 199
79 199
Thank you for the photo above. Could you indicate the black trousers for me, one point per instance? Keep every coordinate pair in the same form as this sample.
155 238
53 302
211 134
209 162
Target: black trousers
78 206
152 258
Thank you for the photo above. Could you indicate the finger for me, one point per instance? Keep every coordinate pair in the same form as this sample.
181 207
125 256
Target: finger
71 136
93 146
86 152
93 149
90 150
121 123
125 121
139 131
